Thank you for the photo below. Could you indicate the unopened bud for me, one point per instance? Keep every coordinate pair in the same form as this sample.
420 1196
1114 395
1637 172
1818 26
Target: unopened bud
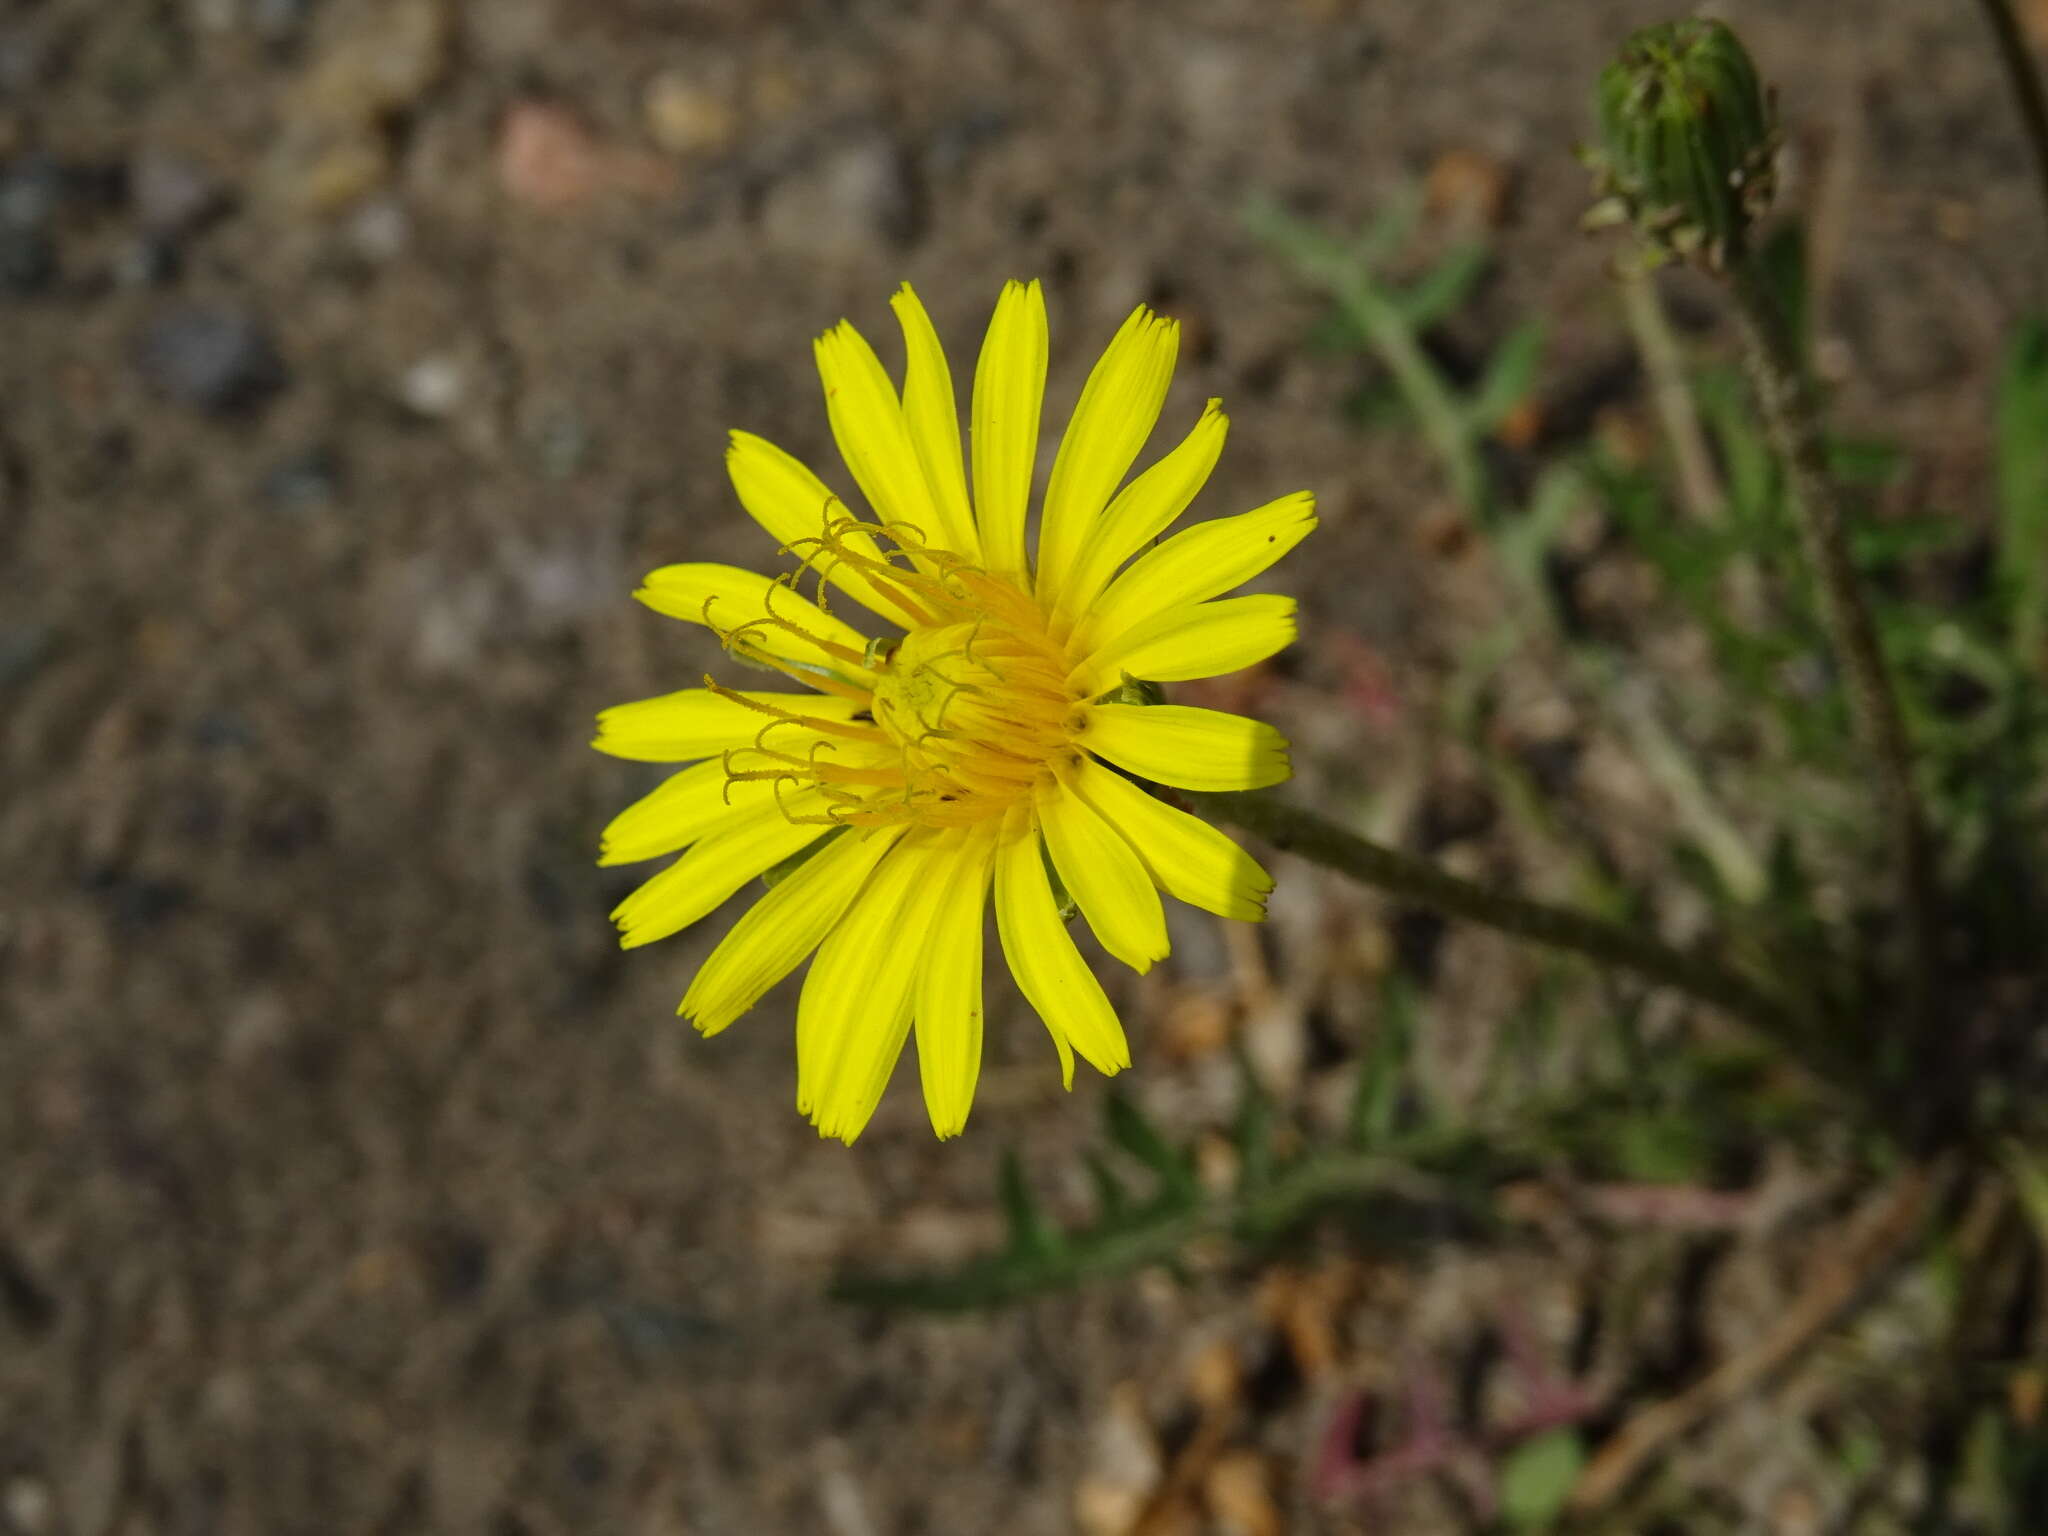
1687 140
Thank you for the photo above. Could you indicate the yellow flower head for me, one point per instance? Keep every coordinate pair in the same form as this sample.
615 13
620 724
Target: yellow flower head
983 737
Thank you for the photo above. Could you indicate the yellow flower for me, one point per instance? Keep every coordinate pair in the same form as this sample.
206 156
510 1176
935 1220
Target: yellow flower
925 770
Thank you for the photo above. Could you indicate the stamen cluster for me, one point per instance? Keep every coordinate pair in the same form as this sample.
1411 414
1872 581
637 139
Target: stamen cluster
963 714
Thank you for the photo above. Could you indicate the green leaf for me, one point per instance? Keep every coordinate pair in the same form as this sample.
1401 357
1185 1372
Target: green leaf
1877 544
1303 243
1133 690
1510 375
1253 1132
1655 1148
1438 293
2023 485
1536 1479
1387 233
1031 1236
1112 1201
1129 1129
1865 460
1382 1072
1062 899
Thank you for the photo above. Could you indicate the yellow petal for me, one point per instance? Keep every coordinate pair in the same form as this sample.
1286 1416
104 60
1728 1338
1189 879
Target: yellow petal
1146 508
1050 972
676 727
777 933
1105 876
1190 859
1198 563
948 996
1189 748
1200 640
687 806
767 614
1009 392
795 506
855 1011
750 843
874 439
1118 408
934 422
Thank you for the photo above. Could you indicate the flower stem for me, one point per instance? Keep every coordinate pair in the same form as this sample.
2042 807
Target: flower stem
1699 486
2026 82
1402 875
1793 422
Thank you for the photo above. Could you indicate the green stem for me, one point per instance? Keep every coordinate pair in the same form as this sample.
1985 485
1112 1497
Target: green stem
1698 485
1793 420
1443 422
1408 878
2026 82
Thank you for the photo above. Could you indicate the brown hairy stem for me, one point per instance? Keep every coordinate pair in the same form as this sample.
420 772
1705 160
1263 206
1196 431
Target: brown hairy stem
1792 419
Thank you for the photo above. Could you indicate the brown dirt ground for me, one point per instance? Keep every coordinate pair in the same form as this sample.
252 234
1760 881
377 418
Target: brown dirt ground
353 1180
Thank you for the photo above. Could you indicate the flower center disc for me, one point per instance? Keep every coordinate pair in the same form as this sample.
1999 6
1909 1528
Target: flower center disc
977 709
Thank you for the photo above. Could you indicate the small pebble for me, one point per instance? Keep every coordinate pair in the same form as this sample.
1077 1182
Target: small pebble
172 196
280 21
23 649
146 262
564 446
30 192
303 481
433 386
218 16
27 58
29 1505
380 230
340 172
28 262
382 68
547 158
216 357
838 205
255 1028
684 117
1469 189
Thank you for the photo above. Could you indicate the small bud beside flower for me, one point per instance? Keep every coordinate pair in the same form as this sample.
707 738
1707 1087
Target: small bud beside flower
1687 141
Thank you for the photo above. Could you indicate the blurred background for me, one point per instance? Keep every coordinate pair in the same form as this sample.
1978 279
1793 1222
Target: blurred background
356 356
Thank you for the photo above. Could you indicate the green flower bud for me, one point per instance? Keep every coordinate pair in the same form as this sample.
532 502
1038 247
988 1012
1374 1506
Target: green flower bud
1687 139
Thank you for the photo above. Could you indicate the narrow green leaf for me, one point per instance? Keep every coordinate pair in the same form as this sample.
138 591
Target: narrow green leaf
1253 1132
1062 900
1376 1103
1030 1234
1391 230
1138 1136
2023 485
1112 1200
1510 375
1437 295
